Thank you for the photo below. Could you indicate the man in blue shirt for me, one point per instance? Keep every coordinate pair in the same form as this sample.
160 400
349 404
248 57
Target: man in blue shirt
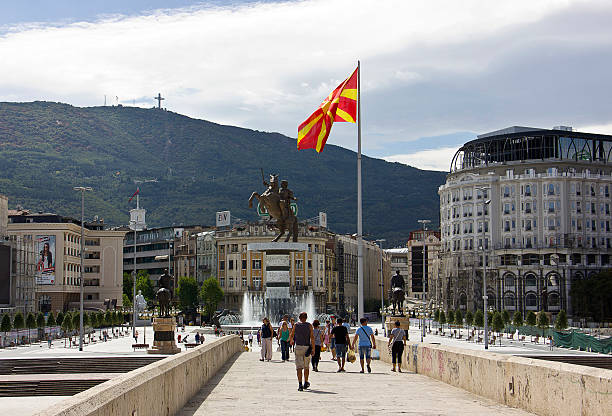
366 343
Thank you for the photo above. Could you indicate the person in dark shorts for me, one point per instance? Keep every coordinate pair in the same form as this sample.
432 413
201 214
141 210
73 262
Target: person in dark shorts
340 334
397 342
303 339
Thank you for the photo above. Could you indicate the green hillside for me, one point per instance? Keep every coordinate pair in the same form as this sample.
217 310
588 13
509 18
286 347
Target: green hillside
202 167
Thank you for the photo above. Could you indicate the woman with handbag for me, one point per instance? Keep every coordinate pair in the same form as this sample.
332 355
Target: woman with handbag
397 342
318 337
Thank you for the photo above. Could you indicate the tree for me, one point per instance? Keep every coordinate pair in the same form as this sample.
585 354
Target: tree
517 320
51 320
469 318
442 319
128 287
40 320
490 318
108 318
479 319
60 318
506 318
561 321
18 322
437 315
542 321
450 317
211 294
30 323
187 293
127 303
76 320
66 326
498 322
458 317
93 319
85 319
6 325
531 319
144 284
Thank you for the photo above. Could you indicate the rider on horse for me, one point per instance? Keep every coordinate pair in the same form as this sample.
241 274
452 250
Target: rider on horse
397 281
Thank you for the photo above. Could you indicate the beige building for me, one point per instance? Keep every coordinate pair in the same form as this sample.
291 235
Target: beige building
416 286
57 242
240 270
3 215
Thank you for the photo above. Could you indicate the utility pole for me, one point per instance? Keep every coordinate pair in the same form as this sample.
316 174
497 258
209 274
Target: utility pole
485 298
382 284
424 222
82 189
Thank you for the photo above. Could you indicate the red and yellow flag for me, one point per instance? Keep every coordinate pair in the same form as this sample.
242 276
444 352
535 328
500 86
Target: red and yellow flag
340 105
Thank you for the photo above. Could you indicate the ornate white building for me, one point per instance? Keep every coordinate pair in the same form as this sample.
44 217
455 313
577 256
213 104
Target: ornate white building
543 199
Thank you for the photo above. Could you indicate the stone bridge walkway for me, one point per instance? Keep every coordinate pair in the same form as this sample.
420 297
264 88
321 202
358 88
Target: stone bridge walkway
246 386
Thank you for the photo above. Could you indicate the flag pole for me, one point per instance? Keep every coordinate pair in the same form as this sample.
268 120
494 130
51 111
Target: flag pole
360 310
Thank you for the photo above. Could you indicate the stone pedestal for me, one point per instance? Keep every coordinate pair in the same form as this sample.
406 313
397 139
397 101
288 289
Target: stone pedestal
277 274
163 340
404 322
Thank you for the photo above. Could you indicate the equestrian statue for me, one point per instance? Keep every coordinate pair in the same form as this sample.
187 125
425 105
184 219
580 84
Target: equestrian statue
164 294
277 202
397 294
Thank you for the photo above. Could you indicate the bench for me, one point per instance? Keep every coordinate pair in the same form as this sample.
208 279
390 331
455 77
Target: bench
140 346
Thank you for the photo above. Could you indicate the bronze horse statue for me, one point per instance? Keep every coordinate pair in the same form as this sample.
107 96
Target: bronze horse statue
397 299
271 200
164 294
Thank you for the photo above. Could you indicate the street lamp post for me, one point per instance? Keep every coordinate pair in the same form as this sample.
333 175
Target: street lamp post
485 298
82 189
423 333
382 284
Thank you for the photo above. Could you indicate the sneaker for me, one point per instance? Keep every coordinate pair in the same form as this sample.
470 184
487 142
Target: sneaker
339 370
300 388
343 370
361 371
261 359
369 369
306 385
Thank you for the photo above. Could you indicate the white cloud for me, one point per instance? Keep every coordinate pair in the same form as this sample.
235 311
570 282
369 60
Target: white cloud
429 67
433 159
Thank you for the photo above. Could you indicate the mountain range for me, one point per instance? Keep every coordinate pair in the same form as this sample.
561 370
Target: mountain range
201 167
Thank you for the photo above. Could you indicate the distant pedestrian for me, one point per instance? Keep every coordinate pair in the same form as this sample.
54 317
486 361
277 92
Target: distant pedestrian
259 337
397 342
302 337
366 343
340 334
291 323
49 340
197 338
179 338
318 338
136 337
283 337
251 339
332 338
266 340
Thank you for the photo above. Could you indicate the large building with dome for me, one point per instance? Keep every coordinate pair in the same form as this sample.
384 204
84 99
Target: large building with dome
538 200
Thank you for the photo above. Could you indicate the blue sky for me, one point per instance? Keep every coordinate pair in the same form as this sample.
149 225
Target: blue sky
434 73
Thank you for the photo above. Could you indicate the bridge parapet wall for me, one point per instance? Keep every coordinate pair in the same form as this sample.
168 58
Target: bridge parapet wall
545 388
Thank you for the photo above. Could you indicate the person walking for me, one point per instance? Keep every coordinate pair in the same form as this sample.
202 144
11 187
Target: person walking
332 339
259 337
318 338
341 336
283 337
251 339
197 338
266 340
397 342
302 337
366 343
291 323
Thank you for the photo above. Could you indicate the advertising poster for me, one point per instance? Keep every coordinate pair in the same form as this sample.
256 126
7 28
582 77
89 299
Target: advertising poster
45 266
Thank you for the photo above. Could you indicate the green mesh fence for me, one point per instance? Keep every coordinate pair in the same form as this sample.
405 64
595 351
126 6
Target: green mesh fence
583 342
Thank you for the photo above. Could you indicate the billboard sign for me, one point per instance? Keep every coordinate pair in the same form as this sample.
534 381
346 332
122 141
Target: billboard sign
224 219
323 219
45 266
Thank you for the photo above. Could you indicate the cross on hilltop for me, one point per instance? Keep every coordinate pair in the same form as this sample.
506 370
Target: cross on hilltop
159 99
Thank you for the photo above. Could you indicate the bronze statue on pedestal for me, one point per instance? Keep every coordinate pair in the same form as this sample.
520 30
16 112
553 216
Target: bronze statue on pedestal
397 293
164 294
278 204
